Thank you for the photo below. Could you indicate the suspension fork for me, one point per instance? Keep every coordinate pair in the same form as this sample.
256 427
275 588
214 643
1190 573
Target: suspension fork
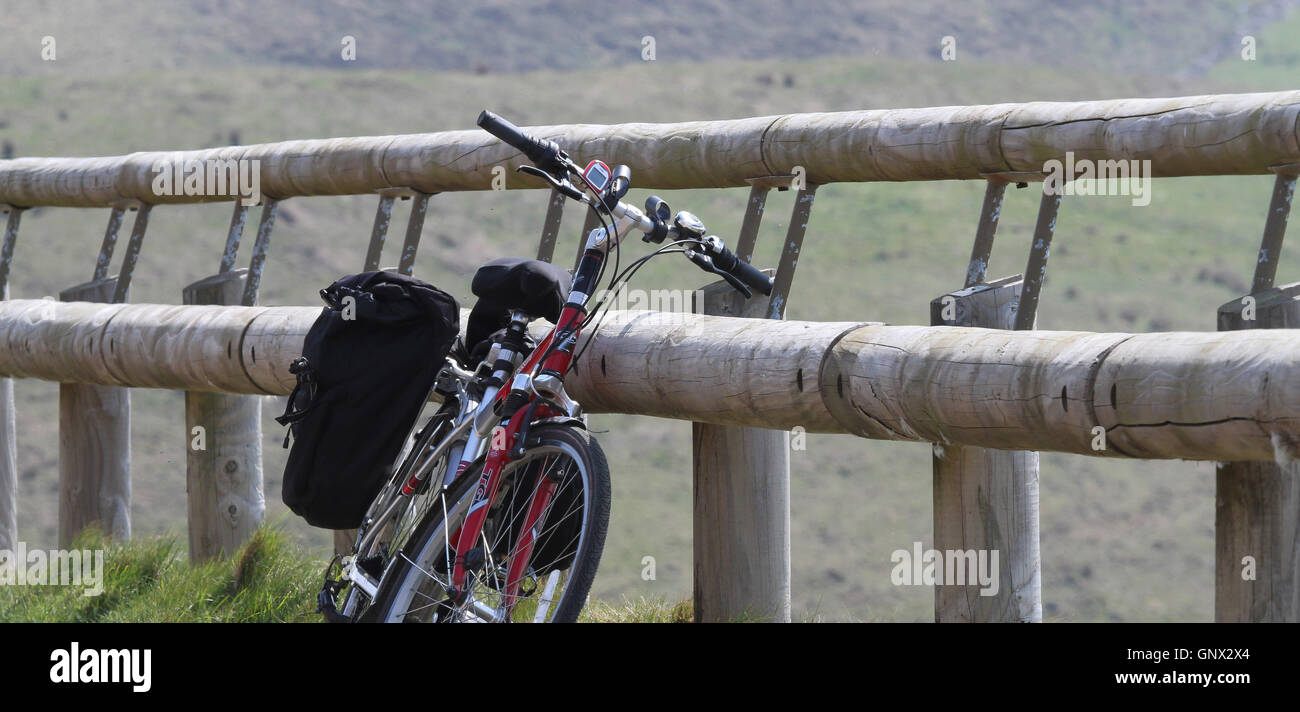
523 550
488 484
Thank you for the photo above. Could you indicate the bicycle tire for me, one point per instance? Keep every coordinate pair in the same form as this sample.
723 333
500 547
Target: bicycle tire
414 574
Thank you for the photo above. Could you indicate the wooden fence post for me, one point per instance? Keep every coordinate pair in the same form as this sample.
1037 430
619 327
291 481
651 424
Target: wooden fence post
8 444
95 421
742 475
987 500
8 467
223 458
742 504
1257 504
94 445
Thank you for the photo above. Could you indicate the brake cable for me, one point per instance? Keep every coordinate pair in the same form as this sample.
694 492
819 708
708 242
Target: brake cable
632 269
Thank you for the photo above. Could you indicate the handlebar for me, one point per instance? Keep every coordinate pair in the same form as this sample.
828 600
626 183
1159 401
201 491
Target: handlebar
544 154
709 253
728 262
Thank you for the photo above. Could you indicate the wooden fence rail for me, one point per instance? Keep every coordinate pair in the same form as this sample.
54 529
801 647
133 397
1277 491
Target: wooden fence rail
1180 395
1232 134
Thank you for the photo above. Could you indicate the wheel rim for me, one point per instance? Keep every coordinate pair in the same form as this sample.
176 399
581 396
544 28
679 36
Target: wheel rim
421 594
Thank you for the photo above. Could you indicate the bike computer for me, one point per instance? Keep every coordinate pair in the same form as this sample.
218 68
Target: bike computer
598 175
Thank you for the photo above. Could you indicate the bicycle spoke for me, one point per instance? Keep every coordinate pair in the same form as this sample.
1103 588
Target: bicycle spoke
541 586
439 581
550 523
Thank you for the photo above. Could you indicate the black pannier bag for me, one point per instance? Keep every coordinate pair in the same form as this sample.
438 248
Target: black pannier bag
368 364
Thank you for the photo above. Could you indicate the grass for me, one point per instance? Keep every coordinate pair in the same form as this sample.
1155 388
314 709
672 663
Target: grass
640 610
661 610
269 580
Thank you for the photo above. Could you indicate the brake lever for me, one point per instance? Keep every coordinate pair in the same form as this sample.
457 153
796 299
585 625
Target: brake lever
563 186
706 263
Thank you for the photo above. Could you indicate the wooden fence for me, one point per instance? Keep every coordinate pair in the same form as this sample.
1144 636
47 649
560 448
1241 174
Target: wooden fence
979 382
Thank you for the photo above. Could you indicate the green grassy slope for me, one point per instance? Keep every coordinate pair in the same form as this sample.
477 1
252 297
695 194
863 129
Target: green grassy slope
1121 541
150 580
269 580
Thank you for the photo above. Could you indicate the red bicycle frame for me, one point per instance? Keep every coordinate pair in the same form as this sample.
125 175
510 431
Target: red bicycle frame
546 357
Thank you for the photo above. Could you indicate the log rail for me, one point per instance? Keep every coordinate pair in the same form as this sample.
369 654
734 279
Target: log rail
1180 395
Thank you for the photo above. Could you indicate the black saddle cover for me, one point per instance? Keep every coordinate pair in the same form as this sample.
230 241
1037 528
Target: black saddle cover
538 288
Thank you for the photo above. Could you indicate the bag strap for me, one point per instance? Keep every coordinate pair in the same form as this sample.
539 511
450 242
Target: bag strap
306 377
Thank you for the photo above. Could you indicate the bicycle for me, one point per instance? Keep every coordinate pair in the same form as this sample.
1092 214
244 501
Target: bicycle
498 505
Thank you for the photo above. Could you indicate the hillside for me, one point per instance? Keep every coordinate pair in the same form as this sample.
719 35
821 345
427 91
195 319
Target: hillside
1121 540
104 37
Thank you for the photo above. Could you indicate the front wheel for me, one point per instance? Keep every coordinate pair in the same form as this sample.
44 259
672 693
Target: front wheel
570 535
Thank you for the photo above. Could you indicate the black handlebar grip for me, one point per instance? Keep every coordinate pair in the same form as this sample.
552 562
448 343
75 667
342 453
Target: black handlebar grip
754 277
727 261
542 153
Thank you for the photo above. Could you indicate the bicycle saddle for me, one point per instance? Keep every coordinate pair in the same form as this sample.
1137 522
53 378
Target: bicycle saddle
538 288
